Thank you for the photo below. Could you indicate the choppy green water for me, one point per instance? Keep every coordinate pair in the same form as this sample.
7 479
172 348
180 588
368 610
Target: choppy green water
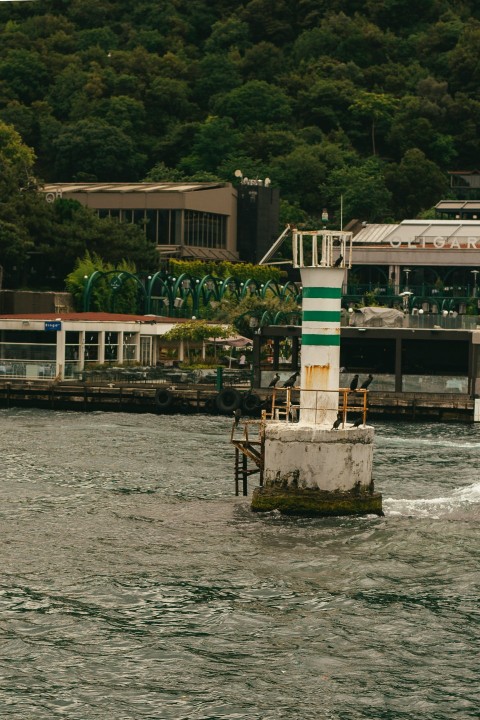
135 585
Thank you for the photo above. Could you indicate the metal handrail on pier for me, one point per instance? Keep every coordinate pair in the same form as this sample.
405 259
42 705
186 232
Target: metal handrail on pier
285 408
247 448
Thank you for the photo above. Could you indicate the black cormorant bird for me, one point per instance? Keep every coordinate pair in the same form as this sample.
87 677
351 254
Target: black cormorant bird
354 383
358 422
337 422
237 414
338 261
274 380
366 382
291 380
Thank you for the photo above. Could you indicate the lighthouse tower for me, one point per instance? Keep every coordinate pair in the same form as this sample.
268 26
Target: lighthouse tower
311 467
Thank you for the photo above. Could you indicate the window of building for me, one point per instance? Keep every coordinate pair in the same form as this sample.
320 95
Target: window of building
28 353
111 346
167 222
205 229
91 347
129 347
72 353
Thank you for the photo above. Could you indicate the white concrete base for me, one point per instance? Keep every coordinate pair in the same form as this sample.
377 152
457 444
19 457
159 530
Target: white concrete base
312 457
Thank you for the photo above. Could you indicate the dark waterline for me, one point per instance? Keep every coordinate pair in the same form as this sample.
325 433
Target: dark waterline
135 585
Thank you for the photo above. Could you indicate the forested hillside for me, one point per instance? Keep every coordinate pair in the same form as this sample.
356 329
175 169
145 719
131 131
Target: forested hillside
370 99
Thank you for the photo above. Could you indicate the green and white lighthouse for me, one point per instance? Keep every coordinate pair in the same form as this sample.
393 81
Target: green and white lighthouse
310 467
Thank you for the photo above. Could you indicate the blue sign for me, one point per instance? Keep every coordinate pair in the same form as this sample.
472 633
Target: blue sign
53 325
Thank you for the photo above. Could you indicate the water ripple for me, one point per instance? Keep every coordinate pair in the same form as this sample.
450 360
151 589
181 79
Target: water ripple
135 586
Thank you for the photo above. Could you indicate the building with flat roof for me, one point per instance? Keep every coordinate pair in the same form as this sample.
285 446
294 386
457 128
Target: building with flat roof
189 220
418 255
47 345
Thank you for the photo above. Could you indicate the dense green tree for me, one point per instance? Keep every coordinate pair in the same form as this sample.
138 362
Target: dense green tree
266 143
98 150
416 184
347 38
17 184
21 117
436 41
358 191
263 61
24 76
161 173
71 229
106 90
463 122
325 102
195 331
463 67
274 22
378 109
305 170
168 99
215 139
419 124
215 74
66 93
226 34
400 14
255 102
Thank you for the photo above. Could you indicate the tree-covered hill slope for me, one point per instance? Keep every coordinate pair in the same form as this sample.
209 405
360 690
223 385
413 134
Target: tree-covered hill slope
371 100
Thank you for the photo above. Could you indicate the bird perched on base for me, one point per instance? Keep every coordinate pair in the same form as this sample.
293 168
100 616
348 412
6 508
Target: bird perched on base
354 383
291 380
366 382
358 422
237 415
337 422
338 261
274 380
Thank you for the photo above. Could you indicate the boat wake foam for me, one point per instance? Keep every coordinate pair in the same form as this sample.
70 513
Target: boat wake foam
462 499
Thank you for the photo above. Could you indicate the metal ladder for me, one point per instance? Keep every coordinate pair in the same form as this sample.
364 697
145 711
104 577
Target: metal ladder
247 450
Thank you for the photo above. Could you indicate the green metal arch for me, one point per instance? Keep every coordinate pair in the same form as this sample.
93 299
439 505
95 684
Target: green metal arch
247 285
227 284
272 285
121 274
158 277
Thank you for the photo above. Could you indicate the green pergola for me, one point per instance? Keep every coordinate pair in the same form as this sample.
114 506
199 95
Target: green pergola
171 294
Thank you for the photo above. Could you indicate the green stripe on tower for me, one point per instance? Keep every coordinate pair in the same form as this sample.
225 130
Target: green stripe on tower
322 315
322 292
309 339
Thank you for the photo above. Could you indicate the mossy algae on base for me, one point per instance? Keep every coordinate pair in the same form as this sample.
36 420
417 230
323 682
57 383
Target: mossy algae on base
315 503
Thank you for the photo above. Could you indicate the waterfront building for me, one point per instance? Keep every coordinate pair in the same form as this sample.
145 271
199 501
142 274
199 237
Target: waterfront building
435 261
188 220
46 345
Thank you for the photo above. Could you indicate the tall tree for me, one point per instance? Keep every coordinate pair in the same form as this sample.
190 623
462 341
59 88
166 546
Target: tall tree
17 184
377 108
416 184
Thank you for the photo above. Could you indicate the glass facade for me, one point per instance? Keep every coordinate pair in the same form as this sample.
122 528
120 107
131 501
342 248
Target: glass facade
111 346
205 229
164 227
91 347
129 347
28 353
72 353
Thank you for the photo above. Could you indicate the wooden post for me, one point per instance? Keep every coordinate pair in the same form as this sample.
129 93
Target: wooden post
237 468
244 474
398 364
